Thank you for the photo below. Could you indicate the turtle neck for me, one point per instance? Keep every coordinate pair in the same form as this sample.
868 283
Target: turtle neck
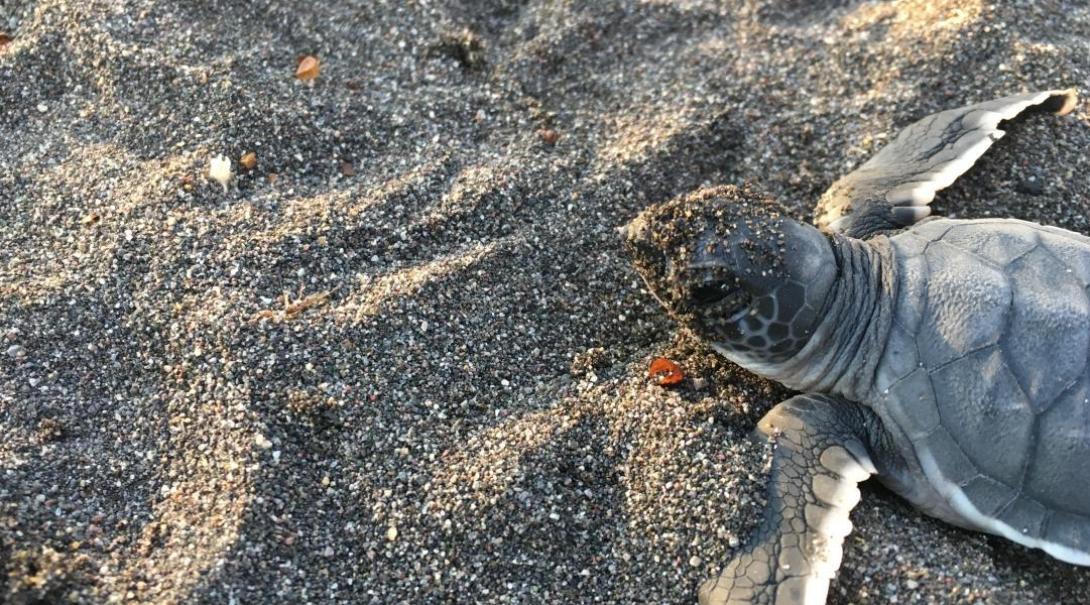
843 354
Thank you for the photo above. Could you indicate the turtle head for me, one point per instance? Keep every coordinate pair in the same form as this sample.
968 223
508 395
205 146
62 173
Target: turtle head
727 264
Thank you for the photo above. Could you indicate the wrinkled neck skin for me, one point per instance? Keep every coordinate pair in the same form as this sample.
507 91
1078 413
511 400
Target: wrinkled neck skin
844 352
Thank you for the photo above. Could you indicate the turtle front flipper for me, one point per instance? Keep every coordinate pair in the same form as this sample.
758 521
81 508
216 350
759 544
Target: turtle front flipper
820 455
893 189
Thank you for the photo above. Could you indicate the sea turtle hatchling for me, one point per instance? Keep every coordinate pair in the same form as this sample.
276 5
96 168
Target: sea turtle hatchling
947 357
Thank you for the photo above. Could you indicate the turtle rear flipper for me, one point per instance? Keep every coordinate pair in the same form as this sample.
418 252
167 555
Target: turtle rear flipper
820 456
895 187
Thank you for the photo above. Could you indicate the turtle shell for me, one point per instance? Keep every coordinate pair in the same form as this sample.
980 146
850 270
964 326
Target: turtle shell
985 373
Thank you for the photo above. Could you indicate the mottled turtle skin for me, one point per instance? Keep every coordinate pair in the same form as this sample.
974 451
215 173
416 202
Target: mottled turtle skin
948 358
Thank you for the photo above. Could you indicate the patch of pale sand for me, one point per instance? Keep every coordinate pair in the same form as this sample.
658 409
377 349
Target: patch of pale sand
61 261
491 459
87 42
930 27
911 20
665 437
32 290
374 294
395 187
245 223
199 511
307 215
60 255
655 431
638 134
468 188
207 307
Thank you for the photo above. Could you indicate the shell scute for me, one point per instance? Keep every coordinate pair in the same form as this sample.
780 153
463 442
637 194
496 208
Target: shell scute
997 313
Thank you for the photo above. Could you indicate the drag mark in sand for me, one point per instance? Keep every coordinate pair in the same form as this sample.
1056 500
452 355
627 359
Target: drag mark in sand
375 293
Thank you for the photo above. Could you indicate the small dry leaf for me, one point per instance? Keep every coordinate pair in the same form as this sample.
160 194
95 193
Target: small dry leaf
347 169
313 300
292 308
4 40
308 68
549 135
665 372
248 160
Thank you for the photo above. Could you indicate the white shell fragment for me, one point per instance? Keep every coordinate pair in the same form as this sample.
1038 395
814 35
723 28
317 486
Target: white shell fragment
219 170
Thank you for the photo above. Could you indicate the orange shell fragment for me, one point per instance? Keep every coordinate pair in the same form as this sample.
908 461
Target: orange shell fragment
549 136
308 68
665 372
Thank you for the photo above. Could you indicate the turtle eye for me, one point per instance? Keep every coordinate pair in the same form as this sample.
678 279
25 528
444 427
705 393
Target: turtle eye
708 294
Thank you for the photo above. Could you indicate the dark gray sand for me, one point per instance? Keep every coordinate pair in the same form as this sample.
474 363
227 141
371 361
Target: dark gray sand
451 406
